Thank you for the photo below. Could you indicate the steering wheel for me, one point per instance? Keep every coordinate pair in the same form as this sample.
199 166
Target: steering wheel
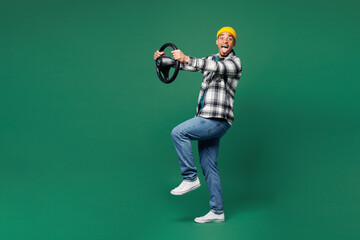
164 63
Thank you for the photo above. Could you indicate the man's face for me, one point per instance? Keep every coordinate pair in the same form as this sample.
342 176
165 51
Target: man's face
225 43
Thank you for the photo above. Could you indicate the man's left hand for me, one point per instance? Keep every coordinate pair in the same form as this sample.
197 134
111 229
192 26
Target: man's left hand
180 56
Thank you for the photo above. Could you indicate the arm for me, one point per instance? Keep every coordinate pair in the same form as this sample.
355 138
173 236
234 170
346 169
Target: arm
183 65
187 67
229 67
184 61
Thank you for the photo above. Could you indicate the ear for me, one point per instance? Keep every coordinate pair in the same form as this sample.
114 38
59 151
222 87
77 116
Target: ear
235 43
217 41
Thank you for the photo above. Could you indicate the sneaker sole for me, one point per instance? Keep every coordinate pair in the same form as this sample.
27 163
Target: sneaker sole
183 192
209 221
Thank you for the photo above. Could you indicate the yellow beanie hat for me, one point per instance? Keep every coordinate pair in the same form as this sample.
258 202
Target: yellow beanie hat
227 29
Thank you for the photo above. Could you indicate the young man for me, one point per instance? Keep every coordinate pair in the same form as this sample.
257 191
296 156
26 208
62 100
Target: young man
214 116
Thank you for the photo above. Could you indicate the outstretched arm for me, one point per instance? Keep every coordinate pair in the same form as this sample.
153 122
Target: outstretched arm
184 60
229 67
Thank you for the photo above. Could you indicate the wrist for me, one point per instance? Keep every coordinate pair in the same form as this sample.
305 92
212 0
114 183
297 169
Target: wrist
187 59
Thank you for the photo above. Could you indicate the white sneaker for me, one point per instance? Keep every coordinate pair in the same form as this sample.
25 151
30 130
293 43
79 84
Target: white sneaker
186 186
211 217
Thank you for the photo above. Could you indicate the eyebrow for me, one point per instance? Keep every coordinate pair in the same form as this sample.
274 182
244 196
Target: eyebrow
224 34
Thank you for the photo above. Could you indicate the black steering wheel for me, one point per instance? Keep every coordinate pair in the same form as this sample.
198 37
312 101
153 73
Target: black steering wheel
163 65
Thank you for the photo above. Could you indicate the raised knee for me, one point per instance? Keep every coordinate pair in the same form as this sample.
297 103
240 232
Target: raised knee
175 133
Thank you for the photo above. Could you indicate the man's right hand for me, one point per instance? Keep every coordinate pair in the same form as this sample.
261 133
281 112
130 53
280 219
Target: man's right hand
158 54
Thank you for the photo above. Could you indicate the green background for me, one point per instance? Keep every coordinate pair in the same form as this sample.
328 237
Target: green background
85 146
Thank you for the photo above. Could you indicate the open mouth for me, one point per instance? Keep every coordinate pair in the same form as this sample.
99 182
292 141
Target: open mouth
224 48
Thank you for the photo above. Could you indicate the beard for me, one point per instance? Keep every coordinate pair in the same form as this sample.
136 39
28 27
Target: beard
224 54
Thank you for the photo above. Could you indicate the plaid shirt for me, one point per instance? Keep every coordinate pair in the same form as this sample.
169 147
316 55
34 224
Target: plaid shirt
219 84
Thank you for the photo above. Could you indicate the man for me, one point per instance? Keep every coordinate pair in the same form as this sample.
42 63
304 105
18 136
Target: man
214 116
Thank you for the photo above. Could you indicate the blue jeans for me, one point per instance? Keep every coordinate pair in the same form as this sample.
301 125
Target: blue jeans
208 133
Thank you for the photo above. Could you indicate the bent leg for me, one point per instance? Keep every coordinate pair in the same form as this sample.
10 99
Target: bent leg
196 128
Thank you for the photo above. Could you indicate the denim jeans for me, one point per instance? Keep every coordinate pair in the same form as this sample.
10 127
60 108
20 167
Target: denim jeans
208 133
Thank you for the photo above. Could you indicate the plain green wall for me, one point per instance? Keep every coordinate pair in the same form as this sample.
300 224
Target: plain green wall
85 147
